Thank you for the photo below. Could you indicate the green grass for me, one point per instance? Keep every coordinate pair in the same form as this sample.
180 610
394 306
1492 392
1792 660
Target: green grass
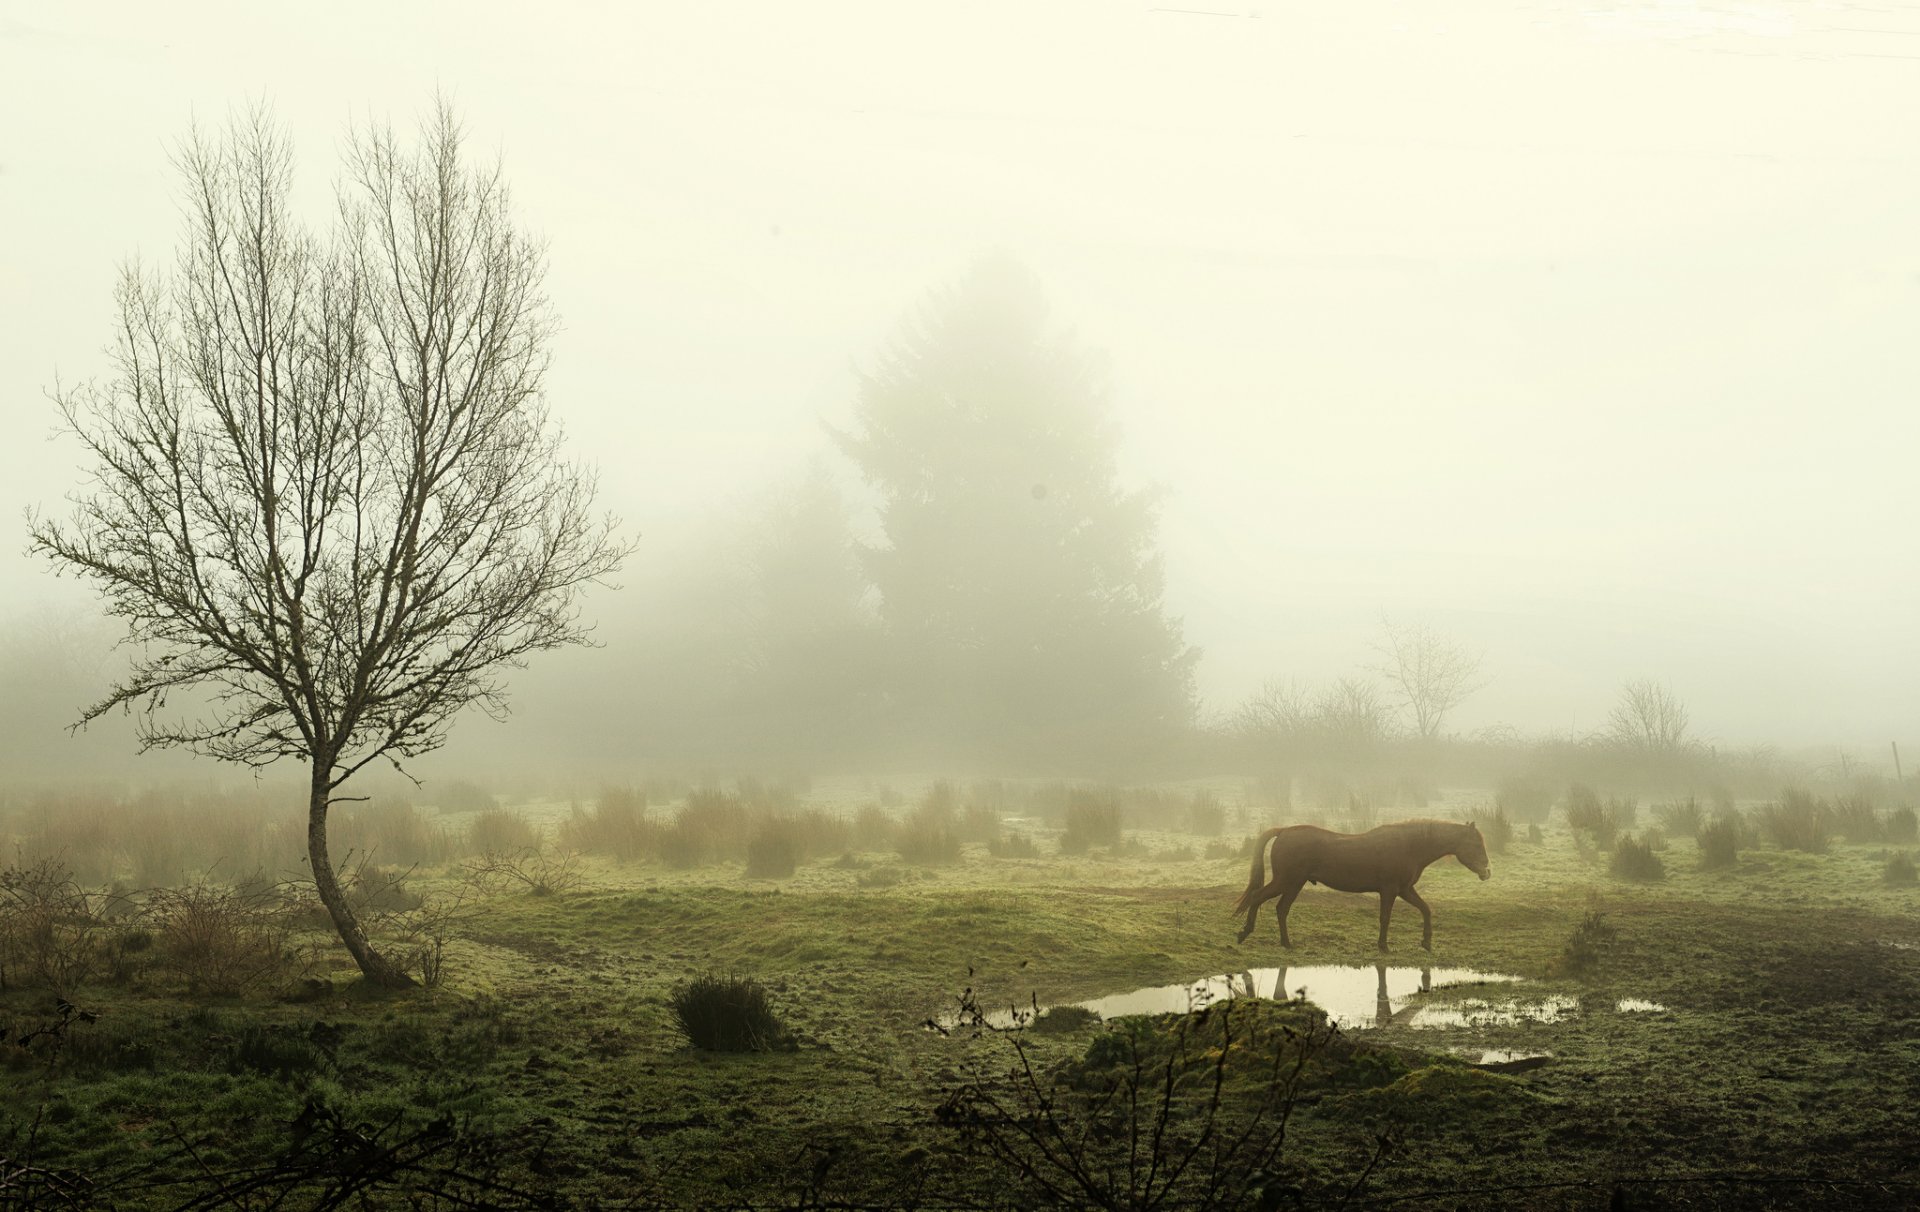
1790 1038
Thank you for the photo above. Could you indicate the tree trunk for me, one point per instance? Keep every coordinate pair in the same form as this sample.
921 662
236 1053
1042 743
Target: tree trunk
377 968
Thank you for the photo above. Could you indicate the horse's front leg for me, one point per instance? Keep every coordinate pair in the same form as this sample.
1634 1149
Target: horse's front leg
1283 909
1426 916
1386 913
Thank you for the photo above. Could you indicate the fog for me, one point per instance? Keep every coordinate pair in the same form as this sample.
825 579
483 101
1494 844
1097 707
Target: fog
1581 335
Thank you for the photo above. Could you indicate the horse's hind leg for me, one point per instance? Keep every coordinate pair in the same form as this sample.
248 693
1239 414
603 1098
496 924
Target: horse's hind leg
1253 911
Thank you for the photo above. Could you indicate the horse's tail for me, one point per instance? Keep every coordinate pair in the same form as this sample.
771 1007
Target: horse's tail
1259 874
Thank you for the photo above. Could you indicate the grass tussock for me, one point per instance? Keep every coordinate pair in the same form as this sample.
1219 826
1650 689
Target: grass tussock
1589 945
1680 818
1524 799
727 1014
501 831
1900 871
1497 829
1093 819
1719 842
1798 821
1903 827
1635 860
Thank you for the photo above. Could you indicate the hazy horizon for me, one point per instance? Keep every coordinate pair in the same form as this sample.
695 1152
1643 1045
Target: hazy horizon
1583 336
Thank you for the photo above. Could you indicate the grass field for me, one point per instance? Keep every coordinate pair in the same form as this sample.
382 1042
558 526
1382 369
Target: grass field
1782 1067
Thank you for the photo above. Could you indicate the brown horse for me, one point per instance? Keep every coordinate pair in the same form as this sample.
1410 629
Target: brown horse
1387 860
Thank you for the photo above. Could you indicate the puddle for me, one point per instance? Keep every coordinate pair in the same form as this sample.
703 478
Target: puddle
1353 997
1478 1012
1503 1060
1500 1056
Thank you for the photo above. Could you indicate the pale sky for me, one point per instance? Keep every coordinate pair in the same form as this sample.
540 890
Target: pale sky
1585 333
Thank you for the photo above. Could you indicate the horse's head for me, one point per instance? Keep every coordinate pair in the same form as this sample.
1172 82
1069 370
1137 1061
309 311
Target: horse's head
1473 852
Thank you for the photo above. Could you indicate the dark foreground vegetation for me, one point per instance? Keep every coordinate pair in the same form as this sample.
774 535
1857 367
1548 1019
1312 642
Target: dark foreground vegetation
768 996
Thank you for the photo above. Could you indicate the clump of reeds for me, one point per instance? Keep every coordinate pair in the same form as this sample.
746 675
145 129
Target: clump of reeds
727 1014
1798 821
1635 860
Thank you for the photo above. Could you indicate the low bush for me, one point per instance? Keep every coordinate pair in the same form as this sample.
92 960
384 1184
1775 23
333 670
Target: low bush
462 795
614 824
874 828
50 928
1093 819
773 852
226 941
1903 827
1587 814
1680 818
1798 821
1497 829
978 823
1635 860
1900 871
1719 842
727 1014
1524 799
1589 944
926 840
1206 815
1855 818
1013 845
499 830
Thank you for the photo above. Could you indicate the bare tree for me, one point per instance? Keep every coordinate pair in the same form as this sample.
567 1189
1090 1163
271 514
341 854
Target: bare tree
325 495
1432 673
1348 714
1648 717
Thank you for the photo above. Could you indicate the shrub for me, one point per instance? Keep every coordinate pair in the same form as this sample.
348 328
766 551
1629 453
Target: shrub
1497 829
48 924
1900 871
881 877
1681 818
277 1052
1093 819
1797 822
614 824
226 941
1589 944
1903 827
712 827
500 831
1719 842
1206 816
1013 845
874 827
727 1014
1586 814
1635 860
772 853
979 824
460 795
927 840
1856 819
1523 799
1535 835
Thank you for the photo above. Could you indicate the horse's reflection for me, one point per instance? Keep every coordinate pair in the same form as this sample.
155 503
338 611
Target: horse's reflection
1246 984
1383 1011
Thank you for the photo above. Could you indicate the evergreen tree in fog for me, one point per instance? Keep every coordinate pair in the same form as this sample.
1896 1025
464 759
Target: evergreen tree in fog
1020 586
